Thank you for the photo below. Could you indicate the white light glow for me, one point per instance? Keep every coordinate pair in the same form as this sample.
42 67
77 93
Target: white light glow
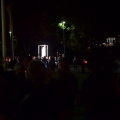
9 59
63 22
42 51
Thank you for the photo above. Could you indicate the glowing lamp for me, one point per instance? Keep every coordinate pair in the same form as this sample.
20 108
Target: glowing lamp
63 22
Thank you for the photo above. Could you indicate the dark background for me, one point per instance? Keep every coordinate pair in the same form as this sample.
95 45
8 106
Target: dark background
27 15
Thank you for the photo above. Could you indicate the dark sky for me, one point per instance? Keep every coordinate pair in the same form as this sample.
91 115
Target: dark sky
107 12
27 13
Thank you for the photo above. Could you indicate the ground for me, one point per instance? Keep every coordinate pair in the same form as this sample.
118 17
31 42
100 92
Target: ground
79 112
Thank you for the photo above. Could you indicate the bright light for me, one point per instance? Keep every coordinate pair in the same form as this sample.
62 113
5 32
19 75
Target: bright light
9 59
33 58
10 32
42 51
62 25
63 22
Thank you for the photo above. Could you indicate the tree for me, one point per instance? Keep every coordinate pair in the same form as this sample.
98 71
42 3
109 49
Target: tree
76 36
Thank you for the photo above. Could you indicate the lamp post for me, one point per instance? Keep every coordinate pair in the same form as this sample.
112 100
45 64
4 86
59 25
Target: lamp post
63 36
3 33
62 25
12 49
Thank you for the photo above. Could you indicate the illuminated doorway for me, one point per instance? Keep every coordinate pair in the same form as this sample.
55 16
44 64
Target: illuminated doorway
42 51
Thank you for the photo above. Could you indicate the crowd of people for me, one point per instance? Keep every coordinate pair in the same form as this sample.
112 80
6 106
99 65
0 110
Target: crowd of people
33 90
25 94
100 92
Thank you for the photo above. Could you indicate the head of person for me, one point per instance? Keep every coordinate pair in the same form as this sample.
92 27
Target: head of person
19 68
36 72
26 61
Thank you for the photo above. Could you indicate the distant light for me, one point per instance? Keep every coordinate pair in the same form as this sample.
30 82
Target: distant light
9 59
10 32
33 58
63 22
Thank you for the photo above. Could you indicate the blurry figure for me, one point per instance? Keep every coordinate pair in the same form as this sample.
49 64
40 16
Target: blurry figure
52 63
38 104
116 65
21 82
20 59
26 61
56 62
19 69
3 85
9 74
83 65
17 89
59 59
37 72
66 88
97 82
75 62
45 61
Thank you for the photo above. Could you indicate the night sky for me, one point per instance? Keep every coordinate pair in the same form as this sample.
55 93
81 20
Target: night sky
27 15
29 11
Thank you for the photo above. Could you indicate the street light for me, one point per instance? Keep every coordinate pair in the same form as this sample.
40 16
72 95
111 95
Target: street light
64 37
12 49
10 34
62 25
